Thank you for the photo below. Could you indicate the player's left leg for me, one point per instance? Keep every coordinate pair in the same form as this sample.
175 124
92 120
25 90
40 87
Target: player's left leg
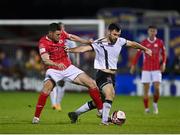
156 97
109 93
156 78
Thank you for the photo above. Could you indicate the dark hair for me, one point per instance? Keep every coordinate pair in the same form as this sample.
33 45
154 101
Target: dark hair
53 27
152 27
60 25
114 26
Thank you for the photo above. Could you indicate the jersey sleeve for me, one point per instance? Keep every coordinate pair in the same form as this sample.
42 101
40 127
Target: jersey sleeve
95 46
123 41
163 52
42 48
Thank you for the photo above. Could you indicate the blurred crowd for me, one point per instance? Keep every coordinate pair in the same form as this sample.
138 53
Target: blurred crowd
27 62
22 64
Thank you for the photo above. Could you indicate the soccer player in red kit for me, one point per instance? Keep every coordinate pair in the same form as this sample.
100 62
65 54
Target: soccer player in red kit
152 67
59 67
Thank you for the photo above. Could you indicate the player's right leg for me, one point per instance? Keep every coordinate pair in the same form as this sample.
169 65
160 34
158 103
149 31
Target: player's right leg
146 97
47 87
146 79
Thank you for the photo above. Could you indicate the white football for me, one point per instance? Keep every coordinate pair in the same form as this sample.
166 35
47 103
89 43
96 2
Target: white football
118 117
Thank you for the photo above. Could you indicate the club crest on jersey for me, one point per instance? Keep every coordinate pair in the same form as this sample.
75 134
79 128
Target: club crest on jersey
155 45
60 41
42 50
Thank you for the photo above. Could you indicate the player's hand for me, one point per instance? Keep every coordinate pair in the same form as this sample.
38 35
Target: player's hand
91 41
132 69
149 52
61 66
163 67
66 49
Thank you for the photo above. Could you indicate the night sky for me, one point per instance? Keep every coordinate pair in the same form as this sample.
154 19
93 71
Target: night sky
64 9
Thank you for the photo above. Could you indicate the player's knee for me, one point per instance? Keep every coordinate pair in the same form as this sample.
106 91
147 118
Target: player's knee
48 86
156 87
92 84
113 95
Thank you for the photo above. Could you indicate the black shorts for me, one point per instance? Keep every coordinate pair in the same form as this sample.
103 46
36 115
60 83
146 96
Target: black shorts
103 78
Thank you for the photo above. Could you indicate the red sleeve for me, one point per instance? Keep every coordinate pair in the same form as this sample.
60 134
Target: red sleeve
42 48
136 57
163 52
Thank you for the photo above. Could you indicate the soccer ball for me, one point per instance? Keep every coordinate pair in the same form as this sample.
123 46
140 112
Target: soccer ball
118 117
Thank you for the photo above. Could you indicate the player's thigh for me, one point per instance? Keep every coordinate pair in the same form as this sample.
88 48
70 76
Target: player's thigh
55 75
108 91
85 80
48 86
146 77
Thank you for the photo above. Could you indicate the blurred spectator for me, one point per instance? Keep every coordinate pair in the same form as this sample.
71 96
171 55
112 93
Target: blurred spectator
176 63
33 65
19 64
5 64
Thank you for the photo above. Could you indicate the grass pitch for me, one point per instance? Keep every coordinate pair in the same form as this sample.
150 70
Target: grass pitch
17 109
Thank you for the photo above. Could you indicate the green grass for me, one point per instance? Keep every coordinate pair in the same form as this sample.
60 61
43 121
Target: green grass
17 109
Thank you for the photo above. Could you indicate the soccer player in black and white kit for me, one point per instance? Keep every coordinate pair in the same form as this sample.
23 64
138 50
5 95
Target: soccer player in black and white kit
107 52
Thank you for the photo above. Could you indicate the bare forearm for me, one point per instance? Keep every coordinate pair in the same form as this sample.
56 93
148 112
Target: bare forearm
80 40
76 50
49 62
138 46
80 49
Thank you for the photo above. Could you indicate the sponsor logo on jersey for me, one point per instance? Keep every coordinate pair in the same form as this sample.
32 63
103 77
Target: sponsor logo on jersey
42 50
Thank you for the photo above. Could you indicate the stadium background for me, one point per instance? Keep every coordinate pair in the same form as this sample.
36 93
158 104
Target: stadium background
133 16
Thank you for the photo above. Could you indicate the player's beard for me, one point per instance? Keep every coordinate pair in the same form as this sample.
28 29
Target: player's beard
113 41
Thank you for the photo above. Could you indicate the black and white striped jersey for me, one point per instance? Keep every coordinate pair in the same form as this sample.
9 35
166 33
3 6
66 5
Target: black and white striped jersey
107 54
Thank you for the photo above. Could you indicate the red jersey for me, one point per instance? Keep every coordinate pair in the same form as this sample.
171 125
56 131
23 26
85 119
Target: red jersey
152 62
55 50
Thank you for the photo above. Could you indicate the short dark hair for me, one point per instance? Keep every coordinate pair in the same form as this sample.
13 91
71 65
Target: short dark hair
152 27
114 26
60 25
53 27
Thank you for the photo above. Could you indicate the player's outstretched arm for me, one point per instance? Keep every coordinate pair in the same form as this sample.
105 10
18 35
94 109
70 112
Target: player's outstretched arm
136 45
80 40
79 49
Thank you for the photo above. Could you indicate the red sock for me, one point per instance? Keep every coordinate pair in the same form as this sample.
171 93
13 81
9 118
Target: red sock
146 102
95 95
155 98
40 104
